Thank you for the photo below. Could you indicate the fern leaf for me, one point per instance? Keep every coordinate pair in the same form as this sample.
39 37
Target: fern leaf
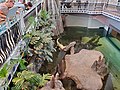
18 80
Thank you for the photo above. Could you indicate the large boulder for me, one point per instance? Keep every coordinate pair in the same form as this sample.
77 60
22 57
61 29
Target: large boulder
78 68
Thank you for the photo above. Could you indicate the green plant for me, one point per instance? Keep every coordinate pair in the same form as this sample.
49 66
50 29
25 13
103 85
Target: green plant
44 15
41 43
32 22
21 62
27 80
3 75
4 71
45 20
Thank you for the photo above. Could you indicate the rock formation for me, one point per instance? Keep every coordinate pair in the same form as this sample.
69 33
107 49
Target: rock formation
53 84
78 68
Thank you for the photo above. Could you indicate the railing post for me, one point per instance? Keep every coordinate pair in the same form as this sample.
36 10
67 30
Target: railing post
104 6
88 7
36 12
22 24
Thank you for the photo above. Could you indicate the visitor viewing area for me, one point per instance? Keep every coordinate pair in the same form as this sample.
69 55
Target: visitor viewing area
92 8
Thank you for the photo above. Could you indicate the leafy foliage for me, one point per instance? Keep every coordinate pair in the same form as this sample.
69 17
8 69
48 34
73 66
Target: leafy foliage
28 80
20 61
44 19
42 46
4 71
41 40
32 21
22 64
44 15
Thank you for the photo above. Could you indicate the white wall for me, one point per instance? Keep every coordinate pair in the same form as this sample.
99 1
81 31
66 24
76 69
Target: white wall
83 20
77 20
93 23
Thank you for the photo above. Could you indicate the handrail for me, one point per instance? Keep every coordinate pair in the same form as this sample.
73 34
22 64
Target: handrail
12 54
19 41
93 8
25 13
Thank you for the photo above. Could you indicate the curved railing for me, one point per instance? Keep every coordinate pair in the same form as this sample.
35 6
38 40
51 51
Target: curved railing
111 11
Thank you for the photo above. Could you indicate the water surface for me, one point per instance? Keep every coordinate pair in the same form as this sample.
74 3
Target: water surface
111 53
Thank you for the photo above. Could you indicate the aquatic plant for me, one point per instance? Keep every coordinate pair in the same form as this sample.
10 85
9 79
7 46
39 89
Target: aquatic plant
92 43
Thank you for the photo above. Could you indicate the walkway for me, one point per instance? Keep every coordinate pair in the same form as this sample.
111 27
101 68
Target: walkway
111 11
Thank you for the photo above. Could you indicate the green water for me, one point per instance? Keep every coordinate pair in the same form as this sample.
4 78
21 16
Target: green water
111 53
115 41
75 33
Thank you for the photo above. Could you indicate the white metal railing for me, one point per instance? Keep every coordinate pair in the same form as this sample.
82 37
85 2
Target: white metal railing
78 10
115 17
110 11
75 7
82 6
4 25
20 44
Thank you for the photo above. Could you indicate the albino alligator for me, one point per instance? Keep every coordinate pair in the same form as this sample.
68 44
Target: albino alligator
65 48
